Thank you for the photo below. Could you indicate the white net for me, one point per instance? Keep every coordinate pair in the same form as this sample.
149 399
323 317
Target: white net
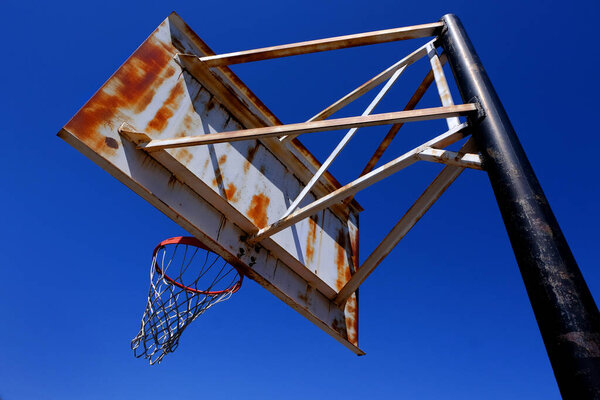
186 279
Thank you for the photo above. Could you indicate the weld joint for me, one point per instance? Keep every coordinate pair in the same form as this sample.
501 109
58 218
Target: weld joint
480 110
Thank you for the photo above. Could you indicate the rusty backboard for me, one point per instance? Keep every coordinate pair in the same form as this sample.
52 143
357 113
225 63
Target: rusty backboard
222 193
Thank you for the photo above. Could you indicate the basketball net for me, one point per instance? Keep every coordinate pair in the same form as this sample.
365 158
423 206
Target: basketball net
186 279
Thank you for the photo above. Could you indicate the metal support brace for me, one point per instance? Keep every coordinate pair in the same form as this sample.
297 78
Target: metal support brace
423 114
406 223
441 83
386 170
342 143
367 86
333 43
447 157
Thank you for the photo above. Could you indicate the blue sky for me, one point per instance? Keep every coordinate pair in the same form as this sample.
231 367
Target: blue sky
445 316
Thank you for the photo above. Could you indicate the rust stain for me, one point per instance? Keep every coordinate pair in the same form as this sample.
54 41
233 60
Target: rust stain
112 143
351 312
211 104
320 245
339 327
304 297
218 181
258 210
343 272
310 240
250 156
162 116
348 327
184 156
187 120
353 234
187 123
187 127
222 159
231 193
131 87
351 306
150 59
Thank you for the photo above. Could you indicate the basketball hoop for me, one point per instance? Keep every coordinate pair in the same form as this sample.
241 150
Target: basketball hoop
198 279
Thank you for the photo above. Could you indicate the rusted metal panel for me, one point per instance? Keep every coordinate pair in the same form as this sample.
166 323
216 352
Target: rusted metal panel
186 41
221 193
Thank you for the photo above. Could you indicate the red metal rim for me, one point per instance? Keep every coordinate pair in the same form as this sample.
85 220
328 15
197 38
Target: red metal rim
192 241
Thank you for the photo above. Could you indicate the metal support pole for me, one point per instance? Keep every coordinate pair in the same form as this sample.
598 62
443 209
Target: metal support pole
563 305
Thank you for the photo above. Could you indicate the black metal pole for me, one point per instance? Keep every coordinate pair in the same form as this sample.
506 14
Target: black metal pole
563 305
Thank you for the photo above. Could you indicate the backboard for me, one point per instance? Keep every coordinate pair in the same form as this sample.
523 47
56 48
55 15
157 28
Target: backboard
223 193
180 129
